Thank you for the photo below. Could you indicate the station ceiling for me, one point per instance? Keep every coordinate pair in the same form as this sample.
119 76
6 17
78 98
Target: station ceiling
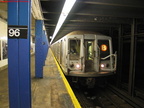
91 15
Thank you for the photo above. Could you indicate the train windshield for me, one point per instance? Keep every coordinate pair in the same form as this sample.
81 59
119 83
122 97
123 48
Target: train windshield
74 49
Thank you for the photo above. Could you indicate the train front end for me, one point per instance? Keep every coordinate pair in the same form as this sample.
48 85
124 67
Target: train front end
90 55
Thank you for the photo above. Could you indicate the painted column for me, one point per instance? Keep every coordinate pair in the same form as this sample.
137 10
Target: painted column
39 53
45 45
19 54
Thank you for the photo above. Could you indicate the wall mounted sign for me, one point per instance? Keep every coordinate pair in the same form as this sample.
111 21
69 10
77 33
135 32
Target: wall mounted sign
17 32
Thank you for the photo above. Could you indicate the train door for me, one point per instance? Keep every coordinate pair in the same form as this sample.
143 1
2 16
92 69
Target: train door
89 55
105 55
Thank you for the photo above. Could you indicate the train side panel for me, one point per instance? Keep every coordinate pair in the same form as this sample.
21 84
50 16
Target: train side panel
64 55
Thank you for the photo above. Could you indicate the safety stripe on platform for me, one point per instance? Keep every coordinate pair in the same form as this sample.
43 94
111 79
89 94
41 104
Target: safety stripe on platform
70 91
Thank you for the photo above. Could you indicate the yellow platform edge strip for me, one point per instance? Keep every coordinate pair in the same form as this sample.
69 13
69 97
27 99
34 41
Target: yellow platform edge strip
70 91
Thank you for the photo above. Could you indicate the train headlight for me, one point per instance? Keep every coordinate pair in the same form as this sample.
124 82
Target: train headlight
78 66
102 65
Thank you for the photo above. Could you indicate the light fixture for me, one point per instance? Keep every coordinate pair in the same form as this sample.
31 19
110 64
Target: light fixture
102 65
50 37
77 66
65 11
3 38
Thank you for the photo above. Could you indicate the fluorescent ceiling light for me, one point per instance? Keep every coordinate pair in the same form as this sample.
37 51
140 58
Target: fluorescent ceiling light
65 11
3 38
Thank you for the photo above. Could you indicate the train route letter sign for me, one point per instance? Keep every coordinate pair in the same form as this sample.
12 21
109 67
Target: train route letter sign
17 32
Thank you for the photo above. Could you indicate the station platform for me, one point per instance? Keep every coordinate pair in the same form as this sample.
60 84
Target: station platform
51 91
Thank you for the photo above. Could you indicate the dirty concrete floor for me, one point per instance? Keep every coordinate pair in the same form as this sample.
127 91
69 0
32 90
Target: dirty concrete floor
47 92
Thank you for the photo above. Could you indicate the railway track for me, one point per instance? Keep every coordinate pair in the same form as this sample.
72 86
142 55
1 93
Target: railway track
100 98
84 99
109 99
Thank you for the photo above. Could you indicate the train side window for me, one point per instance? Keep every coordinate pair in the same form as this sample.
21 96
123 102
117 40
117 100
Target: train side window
74 49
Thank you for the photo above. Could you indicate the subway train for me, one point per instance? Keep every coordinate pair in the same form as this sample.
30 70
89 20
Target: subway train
85 54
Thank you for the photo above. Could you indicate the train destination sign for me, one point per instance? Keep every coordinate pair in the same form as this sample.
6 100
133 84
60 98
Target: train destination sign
17 32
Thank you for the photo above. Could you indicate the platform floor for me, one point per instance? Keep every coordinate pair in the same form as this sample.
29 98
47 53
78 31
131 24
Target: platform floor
4 103
47 92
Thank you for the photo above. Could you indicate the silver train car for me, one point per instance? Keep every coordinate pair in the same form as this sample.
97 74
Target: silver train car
85 54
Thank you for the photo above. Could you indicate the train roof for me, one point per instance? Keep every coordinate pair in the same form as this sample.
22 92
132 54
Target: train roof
81 33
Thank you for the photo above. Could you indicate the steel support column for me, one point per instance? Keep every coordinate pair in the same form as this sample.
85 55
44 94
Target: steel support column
19 56
132 60
39 52
119 66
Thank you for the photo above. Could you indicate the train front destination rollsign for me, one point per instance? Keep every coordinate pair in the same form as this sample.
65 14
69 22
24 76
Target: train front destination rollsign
17 32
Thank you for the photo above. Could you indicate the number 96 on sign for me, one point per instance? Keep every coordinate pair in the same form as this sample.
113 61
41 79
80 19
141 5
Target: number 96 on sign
19 32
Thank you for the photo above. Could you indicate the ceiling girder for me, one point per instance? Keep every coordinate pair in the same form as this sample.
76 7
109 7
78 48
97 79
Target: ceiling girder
97 15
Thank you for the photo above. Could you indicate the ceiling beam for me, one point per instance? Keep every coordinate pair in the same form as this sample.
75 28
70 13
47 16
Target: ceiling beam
121 3
112 13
